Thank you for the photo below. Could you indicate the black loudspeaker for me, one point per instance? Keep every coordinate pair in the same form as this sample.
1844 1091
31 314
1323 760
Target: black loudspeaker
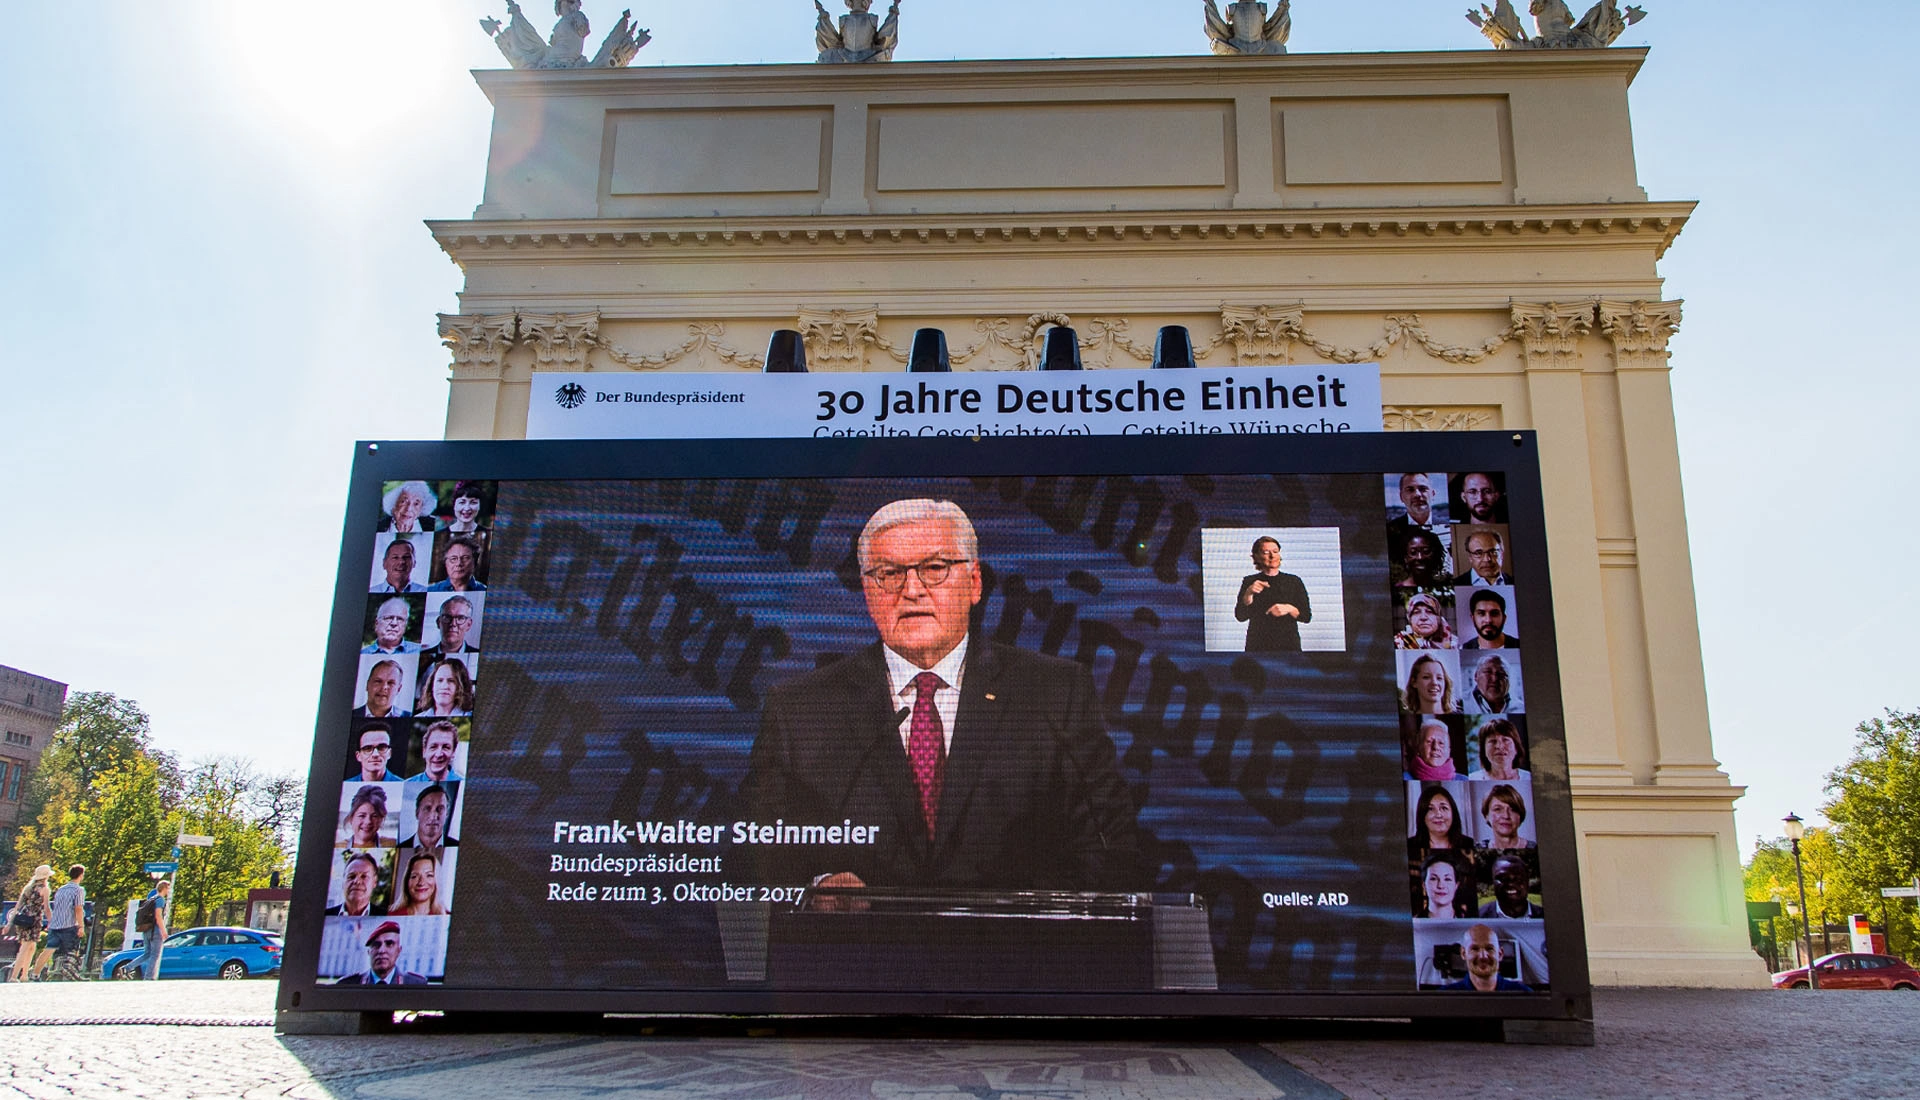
1062 351
929 352
1173 347
786 353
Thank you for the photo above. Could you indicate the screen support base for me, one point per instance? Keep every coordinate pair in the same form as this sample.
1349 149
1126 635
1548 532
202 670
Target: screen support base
331 1023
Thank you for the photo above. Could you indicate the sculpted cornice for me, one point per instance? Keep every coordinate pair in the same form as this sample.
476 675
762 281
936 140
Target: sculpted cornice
1630 225
1027 74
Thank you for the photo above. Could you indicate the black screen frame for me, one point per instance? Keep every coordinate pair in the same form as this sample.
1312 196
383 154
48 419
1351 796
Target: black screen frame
1515 453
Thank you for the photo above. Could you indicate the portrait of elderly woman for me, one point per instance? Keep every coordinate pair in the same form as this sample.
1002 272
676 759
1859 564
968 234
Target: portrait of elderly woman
1427 687
446 690
364 823
1444 887
1504 810
1436 824
407 507
1502 750
1429 743
1427 621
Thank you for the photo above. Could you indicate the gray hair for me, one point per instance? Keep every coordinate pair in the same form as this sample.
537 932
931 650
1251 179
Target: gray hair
918 510
416 488
384 604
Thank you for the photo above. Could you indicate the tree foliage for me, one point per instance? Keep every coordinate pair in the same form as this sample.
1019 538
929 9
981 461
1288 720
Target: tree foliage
1875 814
1872 839
122 827
220 802
105 797
99 732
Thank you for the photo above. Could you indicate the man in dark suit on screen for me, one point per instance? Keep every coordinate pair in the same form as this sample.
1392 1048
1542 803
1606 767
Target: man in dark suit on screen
980 765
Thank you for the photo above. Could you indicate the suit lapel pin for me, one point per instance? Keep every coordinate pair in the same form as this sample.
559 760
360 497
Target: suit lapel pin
991 697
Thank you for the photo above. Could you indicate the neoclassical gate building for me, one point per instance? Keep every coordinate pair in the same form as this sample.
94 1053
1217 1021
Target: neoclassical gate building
1472 221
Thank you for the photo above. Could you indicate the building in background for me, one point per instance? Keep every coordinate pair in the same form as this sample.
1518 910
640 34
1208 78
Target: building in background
1473 221
30 708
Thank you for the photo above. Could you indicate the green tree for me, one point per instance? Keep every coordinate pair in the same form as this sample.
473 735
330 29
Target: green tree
1875 815
98 733
220 801
122 827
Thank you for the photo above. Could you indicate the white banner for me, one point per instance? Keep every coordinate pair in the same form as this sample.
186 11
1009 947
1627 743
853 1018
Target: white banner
1205 401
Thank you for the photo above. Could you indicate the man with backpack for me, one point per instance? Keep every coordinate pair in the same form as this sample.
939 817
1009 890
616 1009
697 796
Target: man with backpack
150 920
66 919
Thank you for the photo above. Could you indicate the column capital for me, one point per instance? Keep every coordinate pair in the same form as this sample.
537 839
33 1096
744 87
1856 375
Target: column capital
1550 333
838 339
479 343
560 341
1640 331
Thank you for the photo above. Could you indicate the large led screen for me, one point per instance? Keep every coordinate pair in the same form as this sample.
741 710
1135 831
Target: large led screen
1174 725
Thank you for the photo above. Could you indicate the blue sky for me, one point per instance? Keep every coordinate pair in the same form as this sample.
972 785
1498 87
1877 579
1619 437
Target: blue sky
218 279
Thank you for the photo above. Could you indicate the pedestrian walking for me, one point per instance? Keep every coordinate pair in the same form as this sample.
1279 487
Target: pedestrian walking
29 917
151 921
66 918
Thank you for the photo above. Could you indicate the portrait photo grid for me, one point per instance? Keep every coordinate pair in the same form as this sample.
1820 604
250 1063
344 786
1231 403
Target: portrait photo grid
415 710
1473 865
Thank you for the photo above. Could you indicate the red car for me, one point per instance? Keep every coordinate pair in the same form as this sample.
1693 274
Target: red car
1844 970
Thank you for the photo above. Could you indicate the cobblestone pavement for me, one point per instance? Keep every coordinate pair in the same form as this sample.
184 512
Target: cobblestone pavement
1657 1043
1650 1043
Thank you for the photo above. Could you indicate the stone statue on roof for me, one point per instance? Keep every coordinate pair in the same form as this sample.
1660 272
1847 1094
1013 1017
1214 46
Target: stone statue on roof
1553 20
1247 28
523 47
861 36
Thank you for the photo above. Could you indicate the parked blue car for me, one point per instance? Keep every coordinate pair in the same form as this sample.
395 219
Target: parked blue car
231 953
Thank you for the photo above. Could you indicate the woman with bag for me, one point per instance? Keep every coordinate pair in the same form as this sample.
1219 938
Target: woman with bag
28 920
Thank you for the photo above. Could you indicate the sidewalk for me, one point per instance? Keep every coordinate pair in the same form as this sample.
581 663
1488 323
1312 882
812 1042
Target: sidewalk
1660 1043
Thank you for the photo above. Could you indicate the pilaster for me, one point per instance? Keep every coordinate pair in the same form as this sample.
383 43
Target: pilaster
1550 336
1639 332
479 344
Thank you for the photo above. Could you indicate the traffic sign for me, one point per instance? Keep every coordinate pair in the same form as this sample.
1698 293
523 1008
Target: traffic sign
1899 892
194 840
164 868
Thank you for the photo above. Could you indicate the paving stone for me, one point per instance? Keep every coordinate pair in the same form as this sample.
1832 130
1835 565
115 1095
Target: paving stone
1649 1043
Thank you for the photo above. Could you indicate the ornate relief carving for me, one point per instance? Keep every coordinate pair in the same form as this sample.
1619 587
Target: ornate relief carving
1439 418
703 339
479 343
1640 331
1107 335
838 339
560 341
841 339
1552 332
1266 334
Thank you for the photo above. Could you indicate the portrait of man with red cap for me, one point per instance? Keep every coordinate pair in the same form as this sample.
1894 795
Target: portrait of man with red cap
383 960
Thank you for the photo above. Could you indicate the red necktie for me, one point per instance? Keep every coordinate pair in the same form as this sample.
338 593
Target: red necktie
927 747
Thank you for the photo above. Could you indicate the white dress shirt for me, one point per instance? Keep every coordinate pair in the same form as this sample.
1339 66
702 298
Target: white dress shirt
946 700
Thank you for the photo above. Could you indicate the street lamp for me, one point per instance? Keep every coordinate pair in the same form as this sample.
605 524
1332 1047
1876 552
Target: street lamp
1797 829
